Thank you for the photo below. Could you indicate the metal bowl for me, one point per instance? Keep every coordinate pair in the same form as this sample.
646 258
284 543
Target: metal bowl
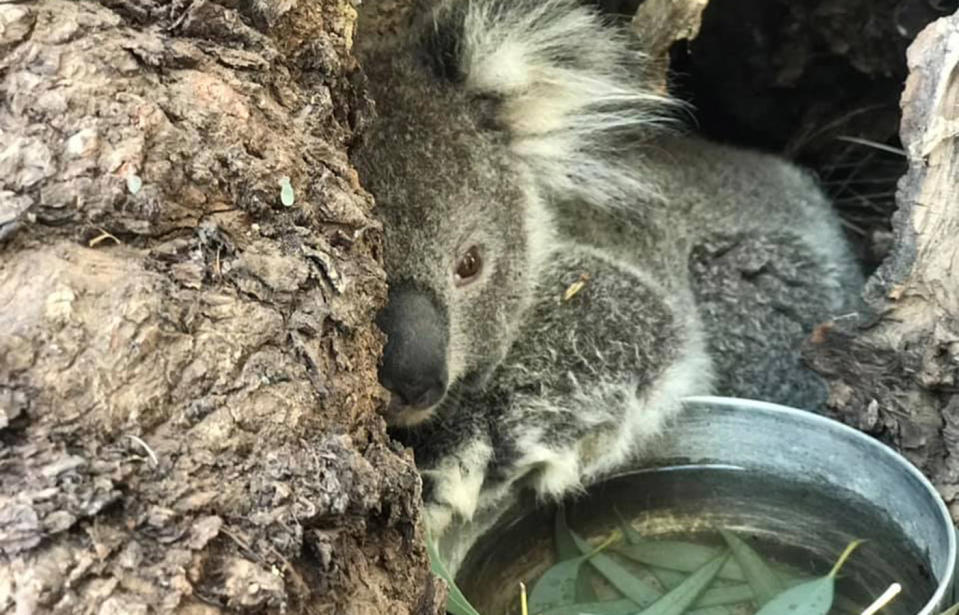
810 482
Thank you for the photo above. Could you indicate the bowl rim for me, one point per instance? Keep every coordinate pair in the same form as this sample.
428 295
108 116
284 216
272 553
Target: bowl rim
939 597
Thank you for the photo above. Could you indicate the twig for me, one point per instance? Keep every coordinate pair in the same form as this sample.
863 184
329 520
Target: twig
240 542
875 145
104 235
153 458
884 599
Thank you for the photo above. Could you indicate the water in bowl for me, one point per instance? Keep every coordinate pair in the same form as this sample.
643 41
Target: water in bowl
803 525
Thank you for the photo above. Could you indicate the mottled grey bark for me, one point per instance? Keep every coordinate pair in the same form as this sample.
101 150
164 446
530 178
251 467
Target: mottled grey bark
187 362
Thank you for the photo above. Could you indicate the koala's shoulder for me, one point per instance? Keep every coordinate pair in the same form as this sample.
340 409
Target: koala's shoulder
582 282
594 313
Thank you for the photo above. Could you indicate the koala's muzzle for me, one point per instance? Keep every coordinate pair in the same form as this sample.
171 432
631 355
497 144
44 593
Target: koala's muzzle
414 360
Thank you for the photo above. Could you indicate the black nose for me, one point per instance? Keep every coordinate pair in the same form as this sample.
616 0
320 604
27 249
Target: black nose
414 359
417 395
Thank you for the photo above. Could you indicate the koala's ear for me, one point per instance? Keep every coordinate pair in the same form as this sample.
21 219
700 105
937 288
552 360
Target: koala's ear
568 87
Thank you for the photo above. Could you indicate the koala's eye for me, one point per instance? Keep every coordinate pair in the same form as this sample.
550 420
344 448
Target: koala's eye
469 266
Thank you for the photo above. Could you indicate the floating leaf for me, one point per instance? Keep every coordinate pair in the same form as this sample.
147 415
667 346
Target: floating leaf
286 192
709 610
624 606
672 578
689 556
680 598
711 598
566 549
628 584
759 575
843 557
134 183
810 598
725 596
678 555
457 604
629 532
557 586
790 578
565 546
668 578
953 610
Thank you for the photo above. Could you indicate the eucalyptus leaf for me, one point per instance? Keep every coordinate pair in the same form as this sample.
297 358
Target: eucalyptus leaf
678 555
629 532
709 610
624 606
840 602
725 596
565 546
668 578
566 549
557 586
679 599
712 597
628 584
953 610
765 583
456 603
688 556
844 556
811 598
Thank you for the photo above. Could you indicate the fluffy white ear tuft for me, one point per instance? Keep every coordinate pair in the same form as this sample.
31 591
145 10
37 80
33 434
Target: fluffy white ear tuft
572 91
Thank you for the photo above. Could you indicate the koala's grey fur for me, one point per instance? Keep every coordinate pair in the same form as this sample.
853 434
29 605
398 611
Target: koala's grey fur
525 127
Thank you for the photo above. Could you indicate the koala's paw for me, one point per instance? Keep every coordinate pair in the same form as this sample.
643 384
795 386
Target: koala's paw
454 485
438 518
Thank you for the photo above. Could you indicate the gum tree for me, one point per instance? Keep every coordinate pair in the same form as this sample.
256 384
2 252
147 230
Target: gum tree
188 276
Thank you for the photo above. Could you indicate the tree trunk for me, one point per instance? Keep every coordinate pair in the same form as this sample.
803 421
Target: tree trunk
896 375
188 276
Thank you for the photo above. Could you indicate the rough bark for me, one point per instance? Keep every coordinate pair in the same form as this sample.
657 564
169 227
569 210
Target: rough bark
896 375
660 24
187 360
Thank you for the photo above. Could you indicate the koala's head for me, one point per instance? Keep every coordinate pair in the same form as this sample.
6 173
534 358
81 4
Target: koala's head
486 112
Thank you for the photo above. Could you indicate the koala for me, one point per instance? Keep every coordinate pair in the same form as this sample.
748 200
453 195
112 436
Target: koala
566 263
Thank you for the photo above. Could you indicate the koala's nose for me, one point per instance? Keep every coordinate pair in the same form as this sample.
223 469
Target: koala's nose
419 395
414 359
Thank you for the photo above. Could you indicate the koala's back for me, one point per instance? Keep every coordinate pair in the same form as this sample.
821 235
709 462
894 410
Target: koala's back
755 245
